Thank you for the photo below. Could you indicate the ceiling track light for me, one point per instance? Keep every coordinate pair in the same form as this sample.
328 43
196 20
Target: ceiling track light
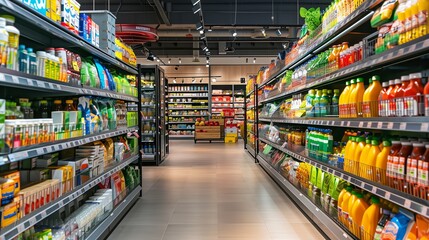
254 60
180 60
205 49
207 65
201 80
210 29
279 32
174 80
193 80
263 32
196 8
169 60
195 2
234 34
202 31
214 80
203 36
199 26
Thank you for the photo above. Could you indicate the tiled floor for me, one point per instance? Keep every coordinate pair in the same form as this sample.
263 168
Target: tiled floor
212 192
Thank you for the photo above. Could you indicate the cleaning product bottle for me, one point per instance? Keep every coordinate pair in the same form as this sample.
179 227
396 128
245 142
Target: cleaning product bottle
32 62
4 38
372 161
343 100
13 42
356 99
335 102
381 163
382 98
357 154
370 219
356 214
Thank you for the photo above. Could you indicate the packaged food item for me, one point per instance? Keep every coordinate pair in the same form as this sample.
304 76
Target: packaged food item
398 227
104 81
384 13
7 187
422 227
9 213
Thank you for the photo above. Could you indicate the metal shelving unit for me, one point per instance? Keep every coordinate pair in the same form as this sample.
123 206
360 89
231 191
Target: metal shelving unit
43 32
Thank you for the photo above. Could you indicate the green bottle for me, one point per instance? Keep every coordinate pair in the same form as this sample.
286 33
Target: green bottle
309 103
324 103
316 103
335 102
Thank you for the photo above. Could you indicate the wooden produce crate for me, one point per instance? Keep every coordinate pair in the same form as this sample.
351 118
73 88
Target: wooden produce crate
207 133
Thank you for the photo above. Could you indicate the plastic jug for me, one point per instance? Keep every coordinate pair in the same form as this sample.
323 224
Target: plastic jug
356 99
370 219
381 163
356 213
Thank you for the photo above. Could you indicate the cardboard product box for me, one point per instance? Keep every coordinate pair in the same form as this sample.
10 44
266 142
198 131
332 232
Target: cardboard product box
38 175
28 164
45 162
9 214
15 177
7 187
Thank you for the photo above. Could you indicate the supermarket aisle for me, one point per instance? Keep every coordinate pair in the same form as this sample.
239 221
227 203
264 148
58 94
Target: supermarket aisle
212 191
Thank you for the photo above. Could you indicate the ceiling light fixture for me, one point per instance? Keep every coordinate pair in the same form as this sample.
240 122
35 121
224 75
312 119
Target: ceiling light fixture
279 32
199 26
180 60
195 2
183 80
207 59
205 49
193 80
151 57
263 32
202 31
203 36
214 80
196 8
174 80
210 29
157 60
207 65
201 80
254 60
285 45
234 34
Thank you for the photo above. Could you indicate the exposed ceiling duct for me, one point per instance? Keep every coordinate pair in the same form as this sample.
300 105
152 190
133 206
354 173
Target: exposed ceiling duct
249 33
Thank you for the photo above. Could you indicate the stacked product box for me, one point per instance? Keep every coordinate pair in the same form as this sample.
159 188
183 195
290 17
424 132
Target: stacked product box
105 22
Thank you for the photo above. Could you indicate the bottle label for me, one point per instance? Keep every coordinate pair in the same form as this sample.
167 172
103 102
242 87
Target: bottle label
422 17
395 165
412 170
408 24
389 166
401 168
399 107
411 106
415 21
423 172
401 27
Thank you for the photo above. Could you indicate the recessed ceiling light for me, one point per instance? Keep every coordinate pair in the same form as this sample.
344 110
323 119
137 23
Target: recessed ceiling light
254 60
180 60
169 60
174 80
202 31
234 34
214 80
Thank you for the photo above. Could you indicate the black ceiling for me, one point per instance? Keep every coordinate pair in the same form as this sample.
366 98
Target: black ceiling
250 13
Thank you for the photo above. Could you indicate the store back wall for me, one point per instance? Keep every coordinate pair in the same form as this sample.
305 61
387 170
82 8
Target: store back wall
224 74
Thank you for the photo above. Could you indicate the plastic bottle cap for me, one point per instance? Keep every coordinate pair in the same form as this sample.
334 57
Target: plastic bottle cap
336 90
352 81
375 200
406 143
43 102
349 188
8 18
359 80
387 143
391 82
29 50
360 139
22 47
41 54
405 78
375 78
347 83
57 102
415 75
374 142
352 138
359 195
385 84
397 81
368 140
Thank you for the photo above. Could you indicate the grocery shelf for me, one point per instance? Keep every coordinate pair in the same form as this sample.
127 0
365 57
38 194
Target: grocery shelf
182 129
404 200
148 157
251 121
53 30
400 53
187 109
148 134
181 122
56 146
250 150
189 103
250 93
188 115
196 91
148 120
406 124
16 79
320 219
187 96
348 24
41 213
108 225
148 89
222 102
147 141
181 136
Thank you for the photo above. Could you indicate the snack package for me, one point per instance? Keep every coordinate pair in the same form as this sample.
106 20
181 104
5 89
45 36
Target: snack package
104 81
384 14
102 105
84 108
94 80
110 147
96 122
111 113
112 84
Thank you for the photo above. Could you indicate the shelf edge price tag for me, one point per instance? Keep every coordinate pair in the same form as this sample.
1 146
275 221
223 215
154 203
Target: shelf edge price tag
360 124
379 125
390 125
368 124
424 126
403 126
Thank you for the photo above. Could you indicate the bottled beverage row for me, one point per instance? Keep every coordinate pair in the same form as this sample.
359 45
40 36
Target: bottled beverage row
188 88
395 161
365 215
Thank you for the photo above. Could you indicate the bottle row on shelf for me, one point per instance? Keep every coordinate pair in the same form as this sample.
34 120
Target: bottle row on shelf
187 88
188 95
365 215
396 162
57 174
43 121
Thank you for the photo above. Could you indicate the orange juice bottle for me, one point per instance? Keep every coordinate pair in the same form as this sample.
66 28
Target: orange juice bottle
363 156
423 18
350 154
370 219
340 201
356 156
372 96
356 99
343 99
366 104
401 19
408 21
381 163
358 209
348 103
342 206
371 161
349 208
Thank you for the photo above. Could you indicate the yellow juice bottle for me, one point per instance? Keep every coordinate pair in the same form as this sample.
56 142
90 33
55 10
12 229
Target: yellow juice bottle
423 17
363 156
351 153
372 160
366 103
370 219
372 96
344 206
381 163
349 208
348 103
343 100
408 21
340 201
356 156
401 19
356 213
414 19
356 99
